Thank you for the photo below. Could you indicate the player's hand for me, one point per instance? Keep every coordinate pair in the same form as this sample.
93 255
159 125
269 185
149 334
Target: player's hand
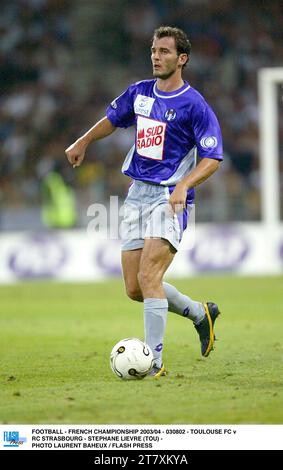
178 198
76 153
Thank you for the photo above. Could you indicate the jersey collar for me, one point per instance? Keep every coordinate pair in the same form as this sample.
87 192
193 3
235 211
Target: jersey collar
170 94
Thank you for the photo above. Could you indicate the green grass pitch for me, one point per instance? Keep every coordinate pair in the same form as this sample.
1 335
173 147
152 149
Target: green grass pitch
56 340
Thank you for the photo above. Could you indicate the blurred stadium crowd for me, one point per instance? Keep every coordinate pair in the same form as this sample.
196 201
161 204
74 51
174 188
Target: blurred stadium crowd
44 108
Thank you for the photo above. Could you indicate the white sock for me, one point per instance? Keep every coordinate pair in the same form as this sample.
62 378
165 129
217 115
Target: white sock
155 316
183 305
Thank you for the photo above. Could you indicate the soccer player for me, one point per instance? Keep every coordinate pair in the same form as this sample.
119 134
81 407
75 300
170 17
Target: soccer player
173 124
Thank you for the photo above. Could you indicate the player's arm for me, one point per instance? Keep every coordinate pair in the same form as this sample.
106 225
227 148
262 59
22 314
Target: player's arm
205 168
76 152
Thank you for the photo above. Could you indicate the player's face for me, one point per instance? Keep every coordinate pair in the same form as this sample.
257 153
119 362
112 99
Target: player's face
164 57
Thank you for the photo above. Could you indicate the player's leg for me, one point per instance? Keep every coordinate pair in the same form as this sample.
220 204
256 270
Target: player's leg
178 303
130 267
183 305
202 314
156 257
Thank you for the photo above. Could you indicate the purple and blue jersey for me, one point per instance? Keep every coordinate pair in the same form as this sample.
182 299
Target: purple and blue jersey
172 128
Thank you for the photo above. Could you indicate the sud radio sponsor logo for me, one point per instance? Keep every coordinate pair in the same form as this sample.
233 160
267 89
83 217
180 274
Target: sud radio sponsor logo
13 439
150 138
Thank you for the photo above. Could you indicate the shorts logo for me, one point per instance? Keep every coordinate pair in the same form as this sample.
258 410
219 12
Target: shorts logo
170 114
209 142
114 104
150 138
143 105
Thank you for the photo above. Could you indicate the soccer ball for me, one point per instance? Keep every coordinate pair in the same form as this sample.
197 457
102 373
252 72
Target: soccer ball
131 359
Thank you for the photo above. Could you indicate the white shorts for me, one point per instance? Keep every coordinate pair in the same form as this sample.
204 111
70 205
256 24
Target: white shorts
148 214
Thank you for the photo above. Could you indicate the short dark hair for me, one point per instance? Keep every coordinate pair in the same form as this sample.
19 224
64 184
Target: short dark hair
182 41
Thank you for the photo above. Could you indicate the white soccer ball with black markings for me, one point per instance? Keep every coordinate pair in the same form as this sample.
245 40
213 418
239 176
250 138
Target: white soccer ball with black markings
131 359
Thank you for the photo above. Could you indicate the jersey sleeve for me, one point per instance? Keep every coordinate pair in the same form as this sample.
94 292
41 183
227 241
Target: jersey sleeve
121 111
207 132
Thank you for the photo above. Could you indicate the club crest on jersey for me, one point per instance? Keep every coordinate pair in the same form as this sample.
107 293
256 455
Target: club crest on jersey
170 114
143 105
209 142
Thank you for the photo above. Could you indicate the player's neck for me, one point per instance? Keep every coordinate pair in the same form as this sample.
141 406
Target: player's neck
170 84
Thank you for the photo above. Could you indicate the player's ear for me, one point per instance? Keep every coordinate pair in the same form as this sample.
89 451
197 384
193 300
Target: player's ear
183 59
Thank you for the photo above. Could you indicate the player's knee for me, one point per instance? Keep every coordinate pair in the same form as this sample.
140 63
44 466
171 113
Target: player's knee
145 278
134 294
